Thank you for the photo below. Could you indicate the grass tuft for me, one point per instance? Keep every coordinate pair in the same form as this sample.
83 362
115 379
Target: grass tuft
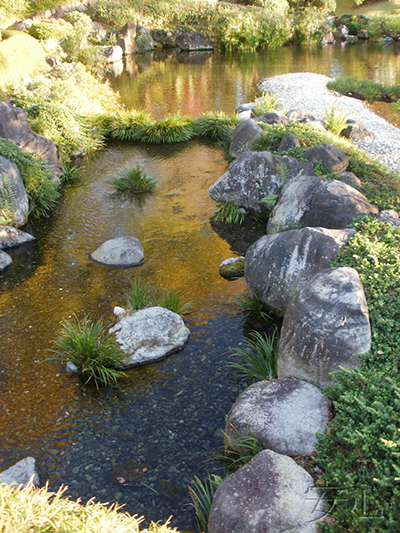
266 103
258 358
90 347
142 295
202 495
132 180
215 126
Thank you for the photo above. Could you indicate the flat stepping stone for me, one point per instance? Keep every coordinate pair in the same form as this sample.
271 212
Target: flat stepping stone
120 252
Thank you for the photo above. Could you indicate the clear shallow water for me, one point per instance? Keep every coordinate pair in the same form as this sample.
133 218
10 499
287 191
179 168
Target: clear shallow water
162 426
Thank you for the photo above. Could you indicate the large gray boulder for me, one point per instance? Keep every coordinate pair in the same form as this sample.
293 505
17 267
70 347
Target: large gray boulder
335 204
278 266
328 154
10 236
14 202
243 136
192 41
5 261
253 176
326 324
270 494
149 335
22 474
14 125
248 180
120 252
294 203
284 415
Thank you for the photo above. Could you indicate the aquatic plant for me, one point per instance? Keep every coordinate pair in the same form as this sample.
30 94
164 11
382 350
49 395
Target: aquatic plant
70 172
202 495
250 302
170 129
257 359
90 347
229 213
142 295
241 451
42 511
132 180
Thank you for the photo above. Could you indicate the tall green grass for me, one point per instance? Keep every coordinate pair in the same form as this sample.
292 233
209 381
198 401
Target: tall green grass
142 295
133 181
90 347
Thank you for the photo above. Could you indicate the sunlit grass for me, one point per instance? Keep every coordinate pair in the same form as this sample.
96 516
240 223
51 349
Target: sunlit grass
132 180
142 295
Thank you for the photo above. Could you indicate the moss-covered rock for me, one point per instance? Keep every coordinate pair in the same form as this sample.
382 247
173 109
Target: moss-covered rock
232 268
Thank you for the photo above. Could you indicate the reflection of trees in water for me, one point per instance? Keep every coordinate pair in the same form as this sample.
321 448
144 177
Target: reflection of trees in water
171 82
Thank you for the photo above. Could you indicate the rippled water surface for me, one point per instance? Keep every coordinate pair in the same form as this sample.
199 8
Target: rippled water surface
161 426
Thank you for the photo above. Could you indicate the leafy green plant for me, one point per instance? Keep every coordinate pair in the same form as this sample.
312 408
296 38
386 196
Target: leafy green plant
7 198
70 172
142 295
133 181
250 302
229 213
90 347
257 359
202 494
266 103
365 89
41 189
170 129
336 120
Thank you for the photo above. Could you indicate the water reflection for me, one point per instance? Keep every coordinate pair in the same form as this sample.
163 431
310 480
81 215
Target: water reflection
168 84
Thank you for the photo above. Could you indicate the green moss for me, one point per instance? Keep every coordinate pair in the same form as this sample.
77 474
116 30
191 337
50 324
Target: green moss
20 55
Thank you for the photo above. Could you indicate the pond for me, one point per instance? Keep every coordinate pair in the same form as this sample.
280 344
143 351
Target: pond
141 444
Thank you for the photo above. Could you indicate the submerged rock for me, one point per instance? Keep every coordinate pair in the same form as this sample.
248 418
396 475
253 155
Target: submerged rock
120 252
150 335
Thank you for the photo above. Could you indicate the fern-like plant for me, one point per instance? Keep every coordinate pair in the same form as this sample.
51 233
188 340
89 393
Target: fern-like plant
229 213
266 103
7 199
336 120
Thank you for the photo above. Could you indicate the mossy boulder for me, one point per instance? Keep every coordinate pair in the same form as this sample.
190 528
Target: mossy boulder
20 55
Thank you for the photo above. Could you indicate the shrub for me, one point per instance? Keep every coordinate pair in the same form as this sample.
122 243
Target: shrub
20 55
90 347
258 358
132 180
359 452
365 89
44 30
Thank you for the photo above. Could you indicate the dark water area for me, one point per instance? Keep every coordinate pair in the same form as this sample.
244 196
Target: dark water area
142 443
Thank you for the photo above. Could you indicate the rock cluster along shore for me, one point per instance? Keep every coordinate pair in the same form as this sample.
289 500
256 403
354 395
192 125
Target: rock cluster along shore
326 318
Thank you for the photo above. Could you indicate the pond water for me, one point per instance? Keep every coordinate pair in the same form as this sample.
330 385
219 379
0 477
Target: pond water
163 425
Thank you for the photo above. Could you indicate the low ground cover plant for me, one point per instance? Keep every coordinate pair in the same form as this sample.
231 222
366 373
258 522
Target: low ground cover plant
89 346
359 452
365 89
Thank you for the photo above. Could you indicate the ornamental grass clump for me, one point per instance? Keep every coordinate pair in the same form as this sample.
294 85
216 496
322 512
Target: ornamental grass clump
133 181
142 295
216 126
257 359
202 495
90 347
336 120
41 511
266 103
